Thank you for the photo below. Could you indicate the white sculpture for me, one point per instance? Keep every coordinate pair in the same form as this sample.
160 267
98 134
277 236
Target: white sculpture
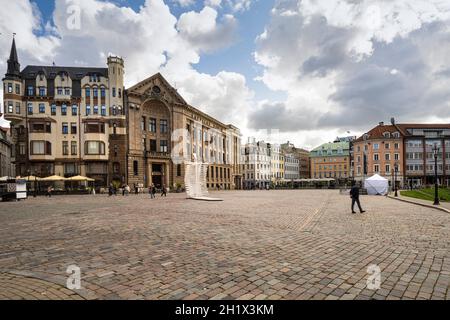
195 181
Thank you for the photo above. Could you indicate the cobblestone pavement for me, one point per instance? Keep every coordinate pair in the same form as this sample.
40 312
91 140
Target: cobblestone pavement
253 245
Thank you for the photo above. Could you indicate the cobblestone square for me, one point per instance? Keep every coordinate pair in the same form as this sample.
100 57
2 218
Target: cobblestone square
290 244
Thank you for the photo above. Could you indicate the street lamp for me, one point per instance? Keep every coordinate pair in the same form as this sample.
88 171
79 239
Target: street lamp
395 180
436 193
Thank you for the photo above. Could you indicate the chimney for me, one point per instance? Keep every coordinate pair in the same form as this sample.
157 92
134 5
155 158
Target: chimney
393 121
381 123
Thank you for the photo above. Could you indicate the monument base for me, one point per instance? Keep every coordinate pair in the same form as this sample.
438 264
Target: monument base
205 199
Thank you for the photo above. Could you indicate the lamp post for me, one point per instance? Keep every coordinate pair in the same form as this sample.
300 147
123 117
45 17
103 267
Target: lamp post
436 186
395 179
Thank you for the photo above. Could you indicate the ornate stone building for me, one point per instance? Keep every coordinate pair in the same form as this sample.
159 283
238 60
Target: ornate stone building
7 166
67 120
77 120
164 131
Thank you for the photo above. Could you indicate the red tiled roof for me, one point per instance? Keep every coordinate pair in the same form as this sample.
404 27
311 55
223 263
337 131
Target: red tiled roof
379 130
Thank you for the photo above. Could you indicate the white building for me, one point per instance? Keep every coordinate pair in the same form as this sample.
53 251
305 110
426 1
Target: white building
257 164
291 167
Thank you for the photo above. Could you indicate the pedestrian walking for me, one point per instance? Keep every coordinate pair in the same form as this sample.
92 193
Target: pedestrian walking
354 194
163 191
110 190
152 191
49 191
127 190
136 189
123 189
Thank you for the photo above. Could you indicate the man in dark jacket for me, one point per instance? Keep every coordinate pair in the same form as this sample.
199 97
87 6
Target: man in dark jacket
354 194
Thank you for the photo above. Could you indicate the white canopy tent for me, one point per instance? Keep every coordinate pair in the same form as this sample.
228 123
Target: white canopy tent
376 185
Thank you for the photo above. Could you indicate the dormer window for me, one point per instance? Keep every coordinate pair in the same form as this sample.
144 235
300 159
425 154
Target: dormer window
387 135
396 135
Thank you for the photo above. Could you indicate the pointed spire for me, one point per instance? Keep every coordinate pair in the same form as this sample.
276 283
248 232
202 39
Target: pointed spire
13 62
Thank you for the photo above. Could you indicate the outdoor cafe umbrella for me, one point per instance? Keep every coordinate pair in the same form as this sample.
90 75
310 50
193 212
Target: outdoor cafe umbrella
80 178
54 178
29 178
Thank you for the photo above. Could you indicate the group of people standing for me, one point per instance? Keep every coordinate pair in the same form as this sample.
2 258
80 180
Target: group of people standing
126 190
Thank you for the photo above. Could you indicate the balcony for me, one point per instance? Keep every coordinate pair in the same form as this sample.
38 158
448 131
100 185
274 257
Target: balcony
158 155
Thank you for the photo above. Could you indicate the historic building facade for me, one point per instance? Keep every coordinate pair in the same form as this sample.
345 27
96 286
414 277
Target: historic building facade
419 142
7 161
164 132
332 161
303 158
277 164
67 120
379 151
291 167
256 165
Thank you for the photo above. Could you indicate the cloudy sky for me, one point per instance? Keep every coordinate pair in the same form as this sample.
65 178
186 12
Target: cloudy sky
299 70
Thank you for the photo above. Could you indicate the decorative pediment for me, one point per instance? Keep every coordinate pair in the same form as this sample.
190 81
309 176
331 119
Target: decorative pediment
156 87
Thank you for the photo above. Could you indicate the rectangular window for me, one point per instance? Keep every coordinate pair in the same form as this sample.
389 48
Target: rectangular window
22 150
88 110
73 128
59 90
113 92
37 147
88 92
152 125
396 146
30 108
103 92
17 88
42 91
40 147
53 109
10 88
10 107
143 119
135 167
94 127
95 109
387 156
41 108
73 148
95 148
64 110
376 157
163 126
103 110
67 91
74 110
65 128
18 107
95 92
376 146
30 91
376 168
396 156
163 146
65 148
153 145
